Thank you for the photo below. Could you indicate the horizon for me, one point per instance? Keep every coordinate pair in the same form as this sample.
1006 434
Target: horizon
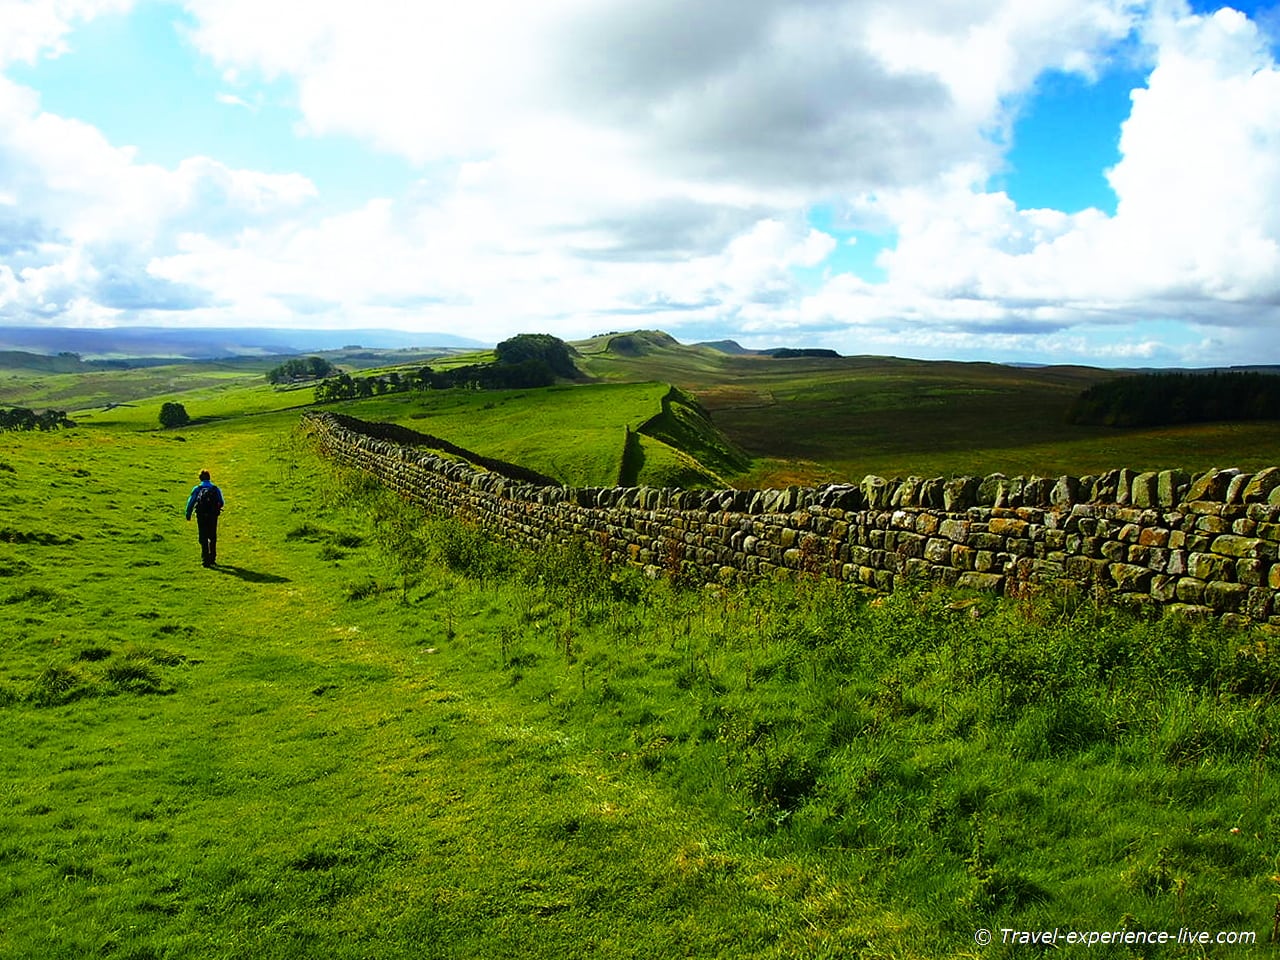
1088 183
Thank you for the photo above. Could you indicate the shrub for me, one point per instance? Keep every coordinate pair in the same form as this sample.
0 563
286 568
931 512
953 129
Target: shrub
173 415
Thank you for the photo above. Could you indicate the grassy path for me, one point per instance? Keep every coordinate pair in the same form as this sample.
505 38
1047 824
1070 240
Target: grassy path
300 754
245 763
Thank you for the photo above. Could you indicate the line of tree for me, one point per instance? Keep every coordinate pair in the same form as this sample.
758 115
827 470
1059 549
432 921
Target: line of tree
1156 399
526 360
20 418
301 368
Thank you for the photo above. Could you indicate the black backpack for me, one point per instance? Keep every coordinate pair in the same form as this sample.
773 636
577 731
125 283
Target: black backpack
207 504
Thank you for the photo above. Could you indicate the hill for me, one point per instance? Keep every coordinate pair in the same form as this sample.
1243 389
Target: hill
821 419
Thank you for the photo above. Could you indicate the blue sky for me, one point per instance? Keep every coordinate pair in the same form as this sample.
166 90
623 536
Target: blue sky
1088 181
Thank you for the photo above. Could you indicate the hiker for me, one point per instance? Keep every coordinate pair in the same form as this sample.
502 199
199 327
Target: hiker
206 502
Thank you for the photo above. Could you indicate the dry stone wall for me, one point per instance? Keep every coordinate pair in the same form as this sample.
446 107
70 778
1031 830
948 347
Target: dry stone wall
1205 545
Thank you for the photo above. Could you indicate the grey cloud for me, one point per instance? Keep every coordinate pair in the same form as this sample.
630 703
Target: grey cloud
124 289
669 230
737 91
20 235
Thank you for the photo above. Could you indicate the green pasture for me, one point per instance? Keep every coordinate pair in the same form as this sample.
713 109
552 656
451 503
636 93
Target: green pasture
98 388
798 420
368 734
570 433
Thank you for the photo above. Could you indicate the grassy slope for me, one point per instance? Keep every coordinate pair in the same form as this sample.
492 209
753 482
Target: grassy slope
282 759
571 433
814 420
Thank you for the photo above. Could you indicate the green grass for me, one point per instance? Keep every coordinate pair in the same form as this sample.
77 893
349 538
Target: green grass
369 735
573 434
817 420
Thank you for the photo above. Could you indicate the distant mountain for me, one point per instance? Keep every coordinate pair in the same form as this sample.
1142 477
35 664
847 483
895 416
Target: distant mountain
203 343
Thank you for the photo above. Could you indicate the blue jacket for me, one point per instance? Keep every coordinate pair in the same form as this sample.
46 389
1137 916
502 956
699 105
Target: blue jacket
191 500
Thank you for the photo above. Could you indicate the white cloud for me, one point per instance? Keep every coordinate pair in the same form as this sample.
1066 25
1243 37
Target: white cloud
87 216
586 160
31 29
1195 237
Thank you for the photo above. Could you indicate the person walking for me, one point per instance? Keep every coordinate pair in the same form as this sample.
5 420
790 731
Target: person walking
206 503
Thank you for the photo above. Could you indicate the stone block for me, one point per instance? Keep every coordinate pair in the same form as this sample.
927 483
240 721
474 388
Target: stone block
1208 566
1143 490
1259 603
1250 572
1164 587
1007 527
875 491
957 531
1085 569
1261 484
1130 578
959 494
1124 485
937 550
963 557
1213 525
1224 596
1153 537
1236 488
1273 577
1190 590
1169 487
990 489
1066 491
1114 550
931 493
1211 485
1231 545
917 570
971 580
1138 555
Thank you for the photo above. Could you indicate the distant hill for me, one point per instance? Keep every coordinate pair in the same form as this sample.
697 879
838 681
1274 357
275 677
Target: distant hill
735 349
204 343
732 347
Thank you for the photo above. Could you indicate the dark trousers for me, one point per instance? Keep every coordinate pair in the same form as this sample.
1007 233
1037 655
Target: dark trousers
208 528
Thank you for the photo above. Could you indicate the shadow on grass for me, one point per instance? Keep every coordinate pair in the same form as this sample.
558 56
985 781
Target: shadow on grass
252 576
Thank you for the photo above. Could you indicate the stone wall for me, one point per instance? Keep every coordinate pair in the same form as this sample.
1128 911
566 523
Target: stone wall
1206 545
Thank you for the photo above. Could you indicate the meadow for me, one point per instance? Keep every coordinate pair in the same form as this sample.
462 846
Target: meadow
375 734
819 420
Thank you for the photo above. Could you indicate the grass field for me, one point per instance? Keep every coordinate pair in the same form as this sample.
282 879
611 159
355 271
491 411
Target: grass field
573 434
803 420
367 735
815 420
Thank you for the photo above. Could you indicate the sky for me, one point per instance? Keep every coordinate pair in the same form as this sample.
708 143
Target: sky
1036 181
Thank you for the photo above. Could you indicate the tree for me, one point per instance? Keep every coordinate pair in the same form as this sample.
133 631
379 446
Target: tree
174 415
308 368
552 351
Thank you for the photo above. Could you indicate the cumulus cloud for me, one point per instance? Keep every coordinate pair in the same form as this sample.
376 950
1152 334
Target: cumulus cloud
38 28
80 217
658 159
1195 237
